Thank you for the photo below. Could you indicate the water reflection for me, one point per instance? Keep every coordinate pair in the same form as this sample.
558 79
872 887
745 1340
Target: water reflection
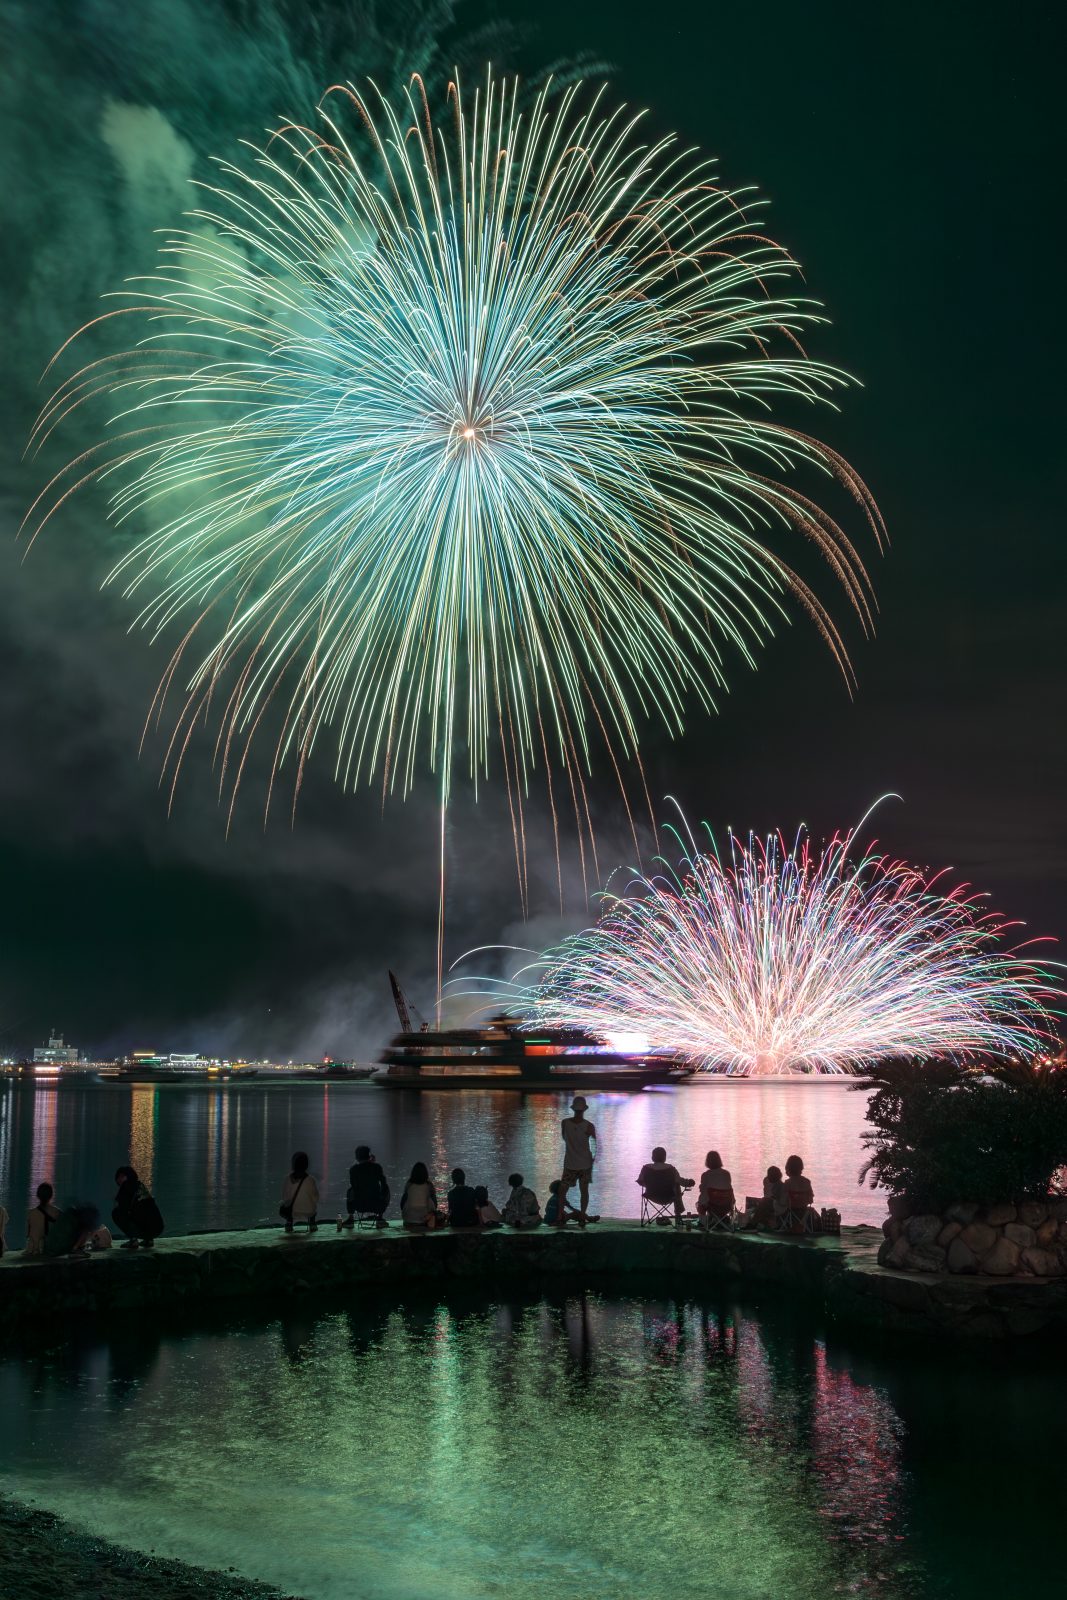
215 1156
574 1443
144 1114
565 1442
45 1134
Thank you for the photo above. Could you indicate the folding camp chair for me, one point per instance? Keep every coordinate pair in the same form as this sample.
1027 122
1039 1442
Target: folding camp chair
366 1219
798 1217
719 1216
654 1209
365 1216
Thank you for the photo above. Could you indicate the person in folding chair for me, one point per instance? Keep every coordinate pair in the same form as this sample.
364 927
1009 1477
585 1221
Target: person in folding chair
798 1197
661 1189
716 1202
368 1193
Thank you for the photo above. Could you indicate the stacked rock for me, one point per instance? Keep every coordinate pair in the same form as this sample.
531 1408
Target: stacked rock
1005 1241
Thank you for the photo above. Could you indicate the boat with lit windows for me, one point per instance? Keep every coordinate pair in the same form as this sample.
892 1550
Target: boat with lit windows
145 1066
507 1054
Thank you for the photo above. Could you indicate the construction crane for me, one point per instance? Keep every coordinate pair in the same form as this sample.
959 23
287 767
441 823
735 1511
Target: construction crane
402 1009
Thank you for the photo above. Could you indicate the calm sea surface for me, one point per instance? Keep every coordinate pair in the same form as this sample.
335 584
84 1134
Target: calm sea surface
215 1158
470 1446
603 1447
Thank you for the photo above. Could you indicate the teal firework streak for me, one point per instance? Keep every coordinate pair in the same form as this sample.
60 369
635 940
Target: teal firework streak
457 440
781 960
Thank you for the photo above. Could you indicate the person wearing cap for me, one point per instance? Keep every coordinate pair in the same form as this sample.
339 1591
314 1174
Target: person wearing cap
579 1142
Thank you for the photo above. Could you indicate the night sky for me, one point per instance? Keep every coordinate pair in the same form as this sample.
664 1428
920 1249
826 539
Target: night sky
911 156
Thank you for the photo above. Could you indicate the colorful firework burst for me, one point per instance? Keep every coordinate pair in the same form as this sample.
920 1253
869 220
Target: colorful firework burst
453 440
780 960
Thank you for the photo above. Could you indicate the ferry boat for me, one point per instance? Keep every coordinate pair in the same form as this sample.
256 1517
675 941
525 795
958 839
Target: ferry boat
145 1066
506 1054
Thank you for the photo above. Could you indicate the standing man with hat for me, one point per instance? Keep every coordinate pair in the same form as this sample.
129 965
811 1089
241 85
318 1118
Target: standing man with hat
579 1140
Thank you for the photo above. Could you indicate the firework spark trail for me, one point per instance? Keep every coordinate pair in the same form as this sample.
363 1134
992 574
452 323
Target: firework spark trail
782 959
458 438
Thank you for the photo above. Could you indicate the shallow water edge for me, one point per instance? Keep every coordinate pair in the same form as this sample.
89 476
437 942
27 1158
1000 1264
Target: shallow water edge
42 1555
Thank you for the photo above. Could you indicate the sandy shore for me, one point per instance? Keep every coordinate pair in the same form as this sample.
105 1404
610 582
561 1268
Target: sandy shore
43 1558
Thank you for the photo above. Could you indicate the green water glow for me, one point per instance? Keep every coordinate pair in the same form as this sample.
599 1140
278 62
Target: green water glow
578 1445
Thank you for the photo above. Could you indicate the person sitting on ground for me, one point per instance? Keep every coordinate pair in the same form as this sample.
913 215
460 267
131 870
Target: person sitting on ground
136 1213
768 1208
798 1197
72 1231
716 1187
40 1220
521 1209
663 1183
368 1190
488 1215
462 1204
418 1203
558 1209
300 1194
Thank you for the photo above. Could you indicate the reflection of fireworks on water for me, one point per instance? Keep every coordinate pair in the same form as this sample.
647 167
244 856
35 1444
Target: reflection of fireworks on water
779 960
458 439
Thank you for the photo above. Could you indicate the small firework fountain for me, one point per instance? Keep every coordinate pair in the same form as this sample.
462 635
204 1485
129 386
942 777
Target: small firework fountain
778 960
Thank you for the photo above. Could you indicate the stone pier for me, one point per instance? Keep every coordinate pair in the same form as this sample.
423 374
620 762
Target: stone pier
839 1277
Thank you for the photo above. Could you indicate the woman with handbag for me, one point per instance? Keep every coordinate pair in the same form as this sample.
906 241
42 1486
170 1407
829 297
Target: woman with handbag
300 1195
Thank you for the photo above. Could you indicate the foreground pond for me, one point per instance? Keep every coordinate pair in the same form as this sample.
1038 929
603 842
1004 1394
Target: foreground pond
577 1445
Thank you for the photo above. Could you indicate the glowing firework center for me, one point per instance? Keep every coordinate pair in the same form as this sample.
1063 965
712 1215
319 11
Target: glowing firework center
783 961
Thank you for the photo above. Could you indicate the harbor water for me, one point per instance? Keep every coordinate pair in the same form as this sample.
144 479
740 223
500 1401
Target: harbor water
215 1157
480 1447
474 1445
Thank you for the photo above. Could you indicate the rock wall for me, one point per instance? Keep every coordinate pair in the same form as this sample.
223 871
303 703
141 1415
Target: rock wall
837 1277
1002 1241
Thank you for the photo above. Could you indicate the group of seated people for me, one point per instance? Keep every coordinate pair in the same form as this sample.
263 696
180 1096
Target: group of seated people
464 1206
787 1203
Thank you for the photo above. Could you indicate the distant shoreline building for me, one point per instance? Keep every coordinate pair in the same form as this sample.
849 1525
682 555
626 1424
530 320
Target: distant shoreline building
55 1053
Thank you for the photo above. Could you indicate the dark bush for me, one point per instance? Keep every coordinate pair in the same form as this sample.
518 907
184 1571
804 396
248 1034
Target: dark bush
942 1133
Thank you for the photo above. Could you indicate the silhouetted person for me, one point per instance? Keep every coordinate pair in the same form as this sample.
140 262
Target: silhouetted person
73 1229
136 1213
558 1209
579 1140
40 1220
798 1197
418 1203
368 1190
488 1215
521 1209
300 1195
462 1204
663 1183
716 1187
770 1206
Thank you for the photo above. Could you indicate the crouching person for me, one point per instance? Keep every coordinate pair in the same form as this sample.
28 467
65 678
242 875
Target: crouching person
136 1213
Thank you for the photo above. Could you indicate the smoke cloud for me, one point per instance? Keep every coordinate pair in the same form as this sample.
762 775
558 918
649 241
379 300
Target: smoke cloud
133 916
